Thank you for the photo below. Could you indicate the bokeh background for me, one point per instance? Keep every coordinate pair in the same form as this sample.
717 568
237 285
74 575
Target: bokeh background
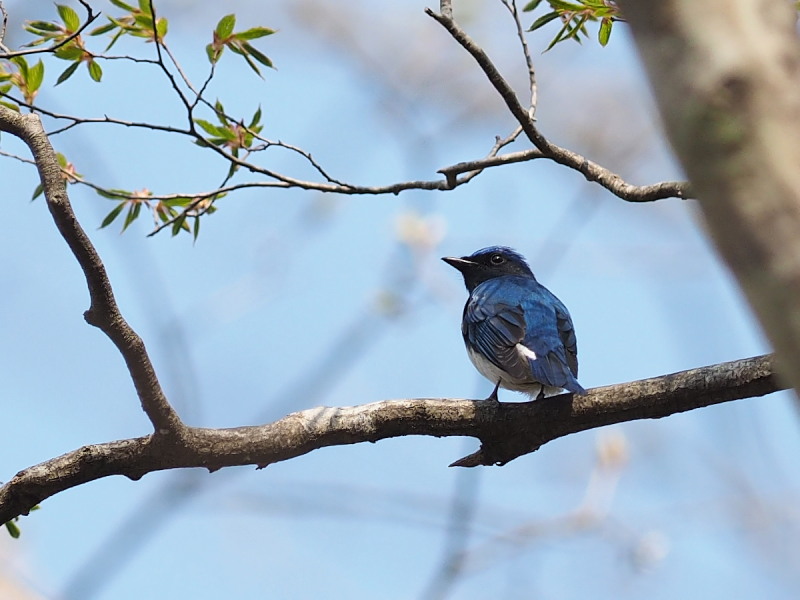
293 299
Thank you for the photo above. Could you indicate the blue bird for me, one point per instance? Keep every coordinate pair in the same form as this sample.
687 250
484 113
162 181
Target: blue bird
518 334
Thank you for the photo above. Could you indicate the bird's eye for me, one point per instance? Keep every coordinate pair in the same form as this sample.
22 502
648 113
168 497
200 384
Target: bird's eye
497 259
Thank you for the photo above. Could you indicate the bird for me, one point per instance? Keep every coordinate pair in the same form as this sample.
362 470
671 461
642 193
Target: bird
517 333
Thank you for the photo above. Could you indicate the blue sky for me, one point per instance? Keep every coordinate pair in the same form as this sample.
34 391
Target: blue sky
274 310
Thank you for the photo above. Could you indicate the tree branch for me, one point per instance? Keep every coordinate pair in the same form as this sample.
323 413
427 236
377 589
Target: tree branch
506 430
103 312
590 170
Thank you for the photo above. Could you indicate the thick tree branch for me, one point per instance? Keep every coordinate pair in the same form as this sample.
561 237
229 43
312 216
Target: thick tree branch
506 430
103 311
590 170
725 75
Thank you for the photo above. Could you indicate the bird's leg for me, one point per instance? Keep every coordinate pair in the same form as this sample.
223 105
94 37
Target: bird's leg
493 395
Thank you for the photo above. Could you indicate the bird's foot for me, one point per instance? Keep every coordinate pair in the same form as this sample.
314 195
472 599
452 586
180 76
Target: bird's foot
493 396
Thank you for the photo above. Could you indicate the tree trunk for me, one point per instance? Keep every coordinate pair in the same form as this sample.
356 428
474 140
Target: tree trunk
725 76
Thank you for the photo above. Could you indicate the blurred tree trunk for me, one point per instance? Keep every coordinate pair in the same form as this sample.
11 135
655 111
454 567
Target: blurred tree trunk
725 77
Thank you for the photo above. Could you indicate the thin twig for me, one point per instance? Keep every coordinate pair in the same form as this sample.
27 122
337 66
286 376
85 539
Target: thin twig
158 44
307 155
203 87
21 159
490 161
511 5
178 68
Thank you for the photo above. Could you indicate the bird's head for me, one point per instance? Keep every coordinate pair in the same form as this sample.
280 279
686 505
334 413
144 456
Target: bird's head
489 263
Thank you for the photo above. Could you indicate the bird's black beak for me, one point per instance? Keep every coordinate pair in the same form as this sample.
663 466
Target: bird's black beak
458 263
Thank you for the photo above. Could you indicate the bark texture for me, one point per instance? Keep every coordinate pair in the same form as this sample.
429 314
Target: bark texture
726 76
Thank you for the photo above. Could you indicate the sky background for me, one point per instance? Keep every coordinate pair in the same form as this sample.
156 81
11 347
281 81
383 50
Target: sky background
281 305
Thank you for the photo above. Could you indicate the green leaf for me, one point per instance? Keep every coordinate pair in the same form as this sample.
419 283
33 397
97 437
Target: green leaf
71 19
13 530
35 76
562 34
69 52
114 194
95 71
254 33
133 214
9 105
196 231
112 215
38 191
213 53
220 110
114 39
256 119
251 64
605 31
543 20
170 202
22 65
110 26
578 28
565 6
41 26
227 134
164 215
225 26
209 128
144 6
161 28
122 5
145 21
178 224
257 55
67 73
532 5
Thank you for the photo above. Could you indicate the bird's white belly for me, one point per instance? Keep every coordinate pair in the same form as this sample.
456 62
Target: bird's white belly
494 374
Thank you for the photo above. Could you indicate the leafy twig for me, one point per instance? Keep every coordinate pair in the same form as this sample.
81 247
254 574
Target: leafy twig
91 16
590 170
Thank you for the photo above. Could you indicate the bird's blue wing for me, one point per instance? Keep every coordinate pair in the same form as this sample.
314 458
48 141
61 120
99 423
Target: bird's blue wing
493 328
507 311
566 331
494 323
551 335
